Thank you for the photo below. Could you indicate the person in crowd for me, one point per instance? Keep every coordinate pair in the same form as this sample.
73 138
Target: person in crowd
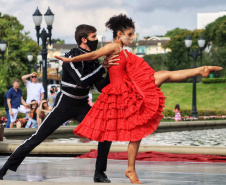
43 110
177 116
32 121
129 108
21 122
57 89
14 98
52 97
7 108
35 90
71 101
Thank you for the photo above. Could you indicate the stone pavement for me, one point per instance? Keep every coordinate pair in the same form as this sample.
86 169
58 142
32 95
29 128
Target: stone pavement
68 171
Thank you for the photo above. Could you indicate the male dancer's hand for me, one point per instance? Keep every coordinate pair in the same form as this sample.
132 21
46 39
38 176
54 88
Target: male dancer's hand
110 61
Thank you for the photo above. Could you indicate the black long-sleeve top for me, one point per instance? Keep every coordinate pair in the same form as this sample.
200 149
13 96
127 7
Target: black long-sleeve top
79 77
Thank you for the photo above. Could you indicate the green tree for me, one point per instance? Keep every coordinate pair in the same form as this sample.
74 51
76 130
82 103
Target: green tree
18 46
177 57
147 37
215 35
57 41
157 62
215 32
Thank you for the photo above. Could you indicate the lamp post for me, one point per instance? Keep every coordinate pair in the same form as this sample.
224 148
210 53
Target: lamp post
194 54
37 18
35 66
30 58
3 46
39 58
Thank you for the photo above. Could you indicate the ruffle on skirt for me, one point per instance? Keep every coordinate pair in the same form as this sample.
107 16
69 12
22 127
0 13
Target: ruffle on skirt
126 111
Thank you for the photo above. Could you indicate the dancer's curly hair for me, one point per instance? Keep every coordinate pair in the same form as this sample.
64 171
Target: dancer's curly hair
119 23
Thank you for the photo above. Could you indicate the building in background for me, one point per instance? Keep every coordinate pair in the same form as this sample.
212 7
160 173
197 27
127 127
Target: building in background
153 45
203 19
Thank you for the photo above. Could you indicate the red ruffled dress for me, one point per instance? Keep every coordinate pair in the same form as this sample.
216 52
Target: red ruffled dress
129 108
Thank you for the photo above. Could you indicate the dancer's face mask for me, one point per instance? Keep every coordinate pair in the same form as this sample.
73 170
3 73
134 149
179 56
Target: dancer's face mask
92 44
126 40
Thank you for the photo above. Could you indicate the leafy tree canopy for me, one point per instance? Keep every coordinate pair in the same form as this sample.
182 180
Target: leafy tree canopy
18 46
215 32
177 57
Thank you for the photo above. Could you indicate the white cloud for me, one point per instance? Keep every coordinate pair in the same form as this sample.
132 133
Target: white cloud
155 19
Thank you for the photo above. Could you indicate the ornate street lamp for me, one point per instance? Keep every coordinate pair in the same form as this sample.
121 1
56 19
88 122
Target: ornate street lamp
30 58
194 54
39 58
3 46
35 66
37 18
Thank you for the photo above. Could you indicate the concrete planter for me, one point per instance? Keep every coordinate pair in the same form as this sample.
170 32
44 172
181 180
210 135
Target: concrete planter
1 132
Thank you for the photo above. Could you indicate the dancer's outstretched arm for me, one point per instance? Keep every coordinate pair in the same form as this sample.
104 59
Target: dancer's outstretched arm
108 49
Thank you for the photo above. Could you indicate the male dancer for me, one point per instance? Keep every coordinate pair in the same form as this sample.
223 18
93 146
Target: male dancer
71 102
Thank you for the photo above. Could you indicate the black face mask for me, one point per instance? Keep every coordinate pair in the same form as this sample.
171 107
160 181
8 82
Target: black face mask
51 91
92 44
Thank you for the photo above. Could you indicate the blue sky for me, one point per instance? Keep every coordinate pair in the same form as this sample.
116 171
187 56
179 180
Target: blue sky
152 17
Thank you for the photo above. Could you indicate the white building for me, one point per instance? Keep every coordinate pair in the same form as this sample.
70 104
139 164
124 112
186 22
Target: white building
203 19
154 45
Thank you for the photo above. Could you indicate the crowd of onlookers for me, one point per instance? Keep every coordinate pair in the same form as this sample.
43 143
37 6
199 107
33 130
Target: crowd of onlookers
35 109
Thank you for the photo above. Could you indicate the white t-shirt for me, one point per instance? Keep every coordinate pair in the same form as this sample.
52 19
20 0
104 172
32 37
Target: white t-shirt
34 91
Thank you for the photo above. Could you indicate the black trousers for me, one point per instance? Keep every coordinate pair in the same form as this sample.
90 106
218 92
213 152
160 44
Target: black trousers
64 109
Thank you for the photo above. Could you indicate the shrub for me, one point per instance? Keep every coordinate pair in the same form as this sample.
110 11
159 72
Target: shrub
213 80
201 112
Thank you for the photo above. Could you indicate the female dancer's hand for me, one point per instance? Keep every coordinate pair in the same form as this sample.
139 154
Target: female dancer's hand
110 61
64 59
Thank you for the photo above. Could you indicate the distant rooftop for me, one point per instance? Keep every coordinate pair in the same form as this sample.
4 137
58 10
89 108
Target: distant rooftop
158 38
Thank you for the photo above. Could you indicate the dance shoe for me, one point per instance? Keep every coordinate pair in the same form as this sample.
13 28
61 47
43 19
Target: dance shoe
101 177
1 175
3 171
132 177
208 69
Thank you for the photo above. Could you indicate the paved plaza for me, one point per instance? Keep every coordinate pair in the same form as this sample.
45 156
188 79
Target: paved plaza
68 170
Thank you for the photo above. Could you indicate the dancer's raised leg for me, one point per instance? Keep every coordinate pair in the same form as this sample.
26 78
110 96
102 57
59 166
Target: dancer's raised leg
132 154
181 75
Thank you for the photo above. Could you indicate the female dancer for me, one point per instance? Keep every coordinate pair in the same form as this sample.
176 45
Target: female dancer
130 107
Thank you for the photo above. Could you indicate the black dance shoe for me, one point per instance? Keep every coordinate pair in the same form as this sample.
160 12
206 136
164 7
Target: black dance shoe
101 177
1 176
3 171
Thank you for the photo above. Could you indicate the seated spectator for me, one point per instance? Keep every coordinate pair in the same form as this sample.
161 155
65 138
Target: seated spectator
21 122
43 110
32 121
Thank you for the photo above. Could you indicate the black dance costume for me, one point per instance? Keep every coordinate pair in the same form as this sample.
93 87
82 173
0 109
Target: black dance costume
71 102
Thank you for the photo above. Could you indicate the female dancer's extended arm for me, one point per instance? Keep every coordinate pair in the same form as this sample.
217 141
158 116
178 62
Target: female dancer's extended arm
108 49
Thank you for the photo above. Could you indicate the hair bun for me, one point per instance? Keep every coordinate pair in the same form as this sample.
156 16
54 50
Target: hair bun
119 22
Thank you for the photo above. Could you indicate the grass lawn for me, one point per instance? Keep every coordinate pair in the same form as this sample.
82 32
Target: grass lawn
209 96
